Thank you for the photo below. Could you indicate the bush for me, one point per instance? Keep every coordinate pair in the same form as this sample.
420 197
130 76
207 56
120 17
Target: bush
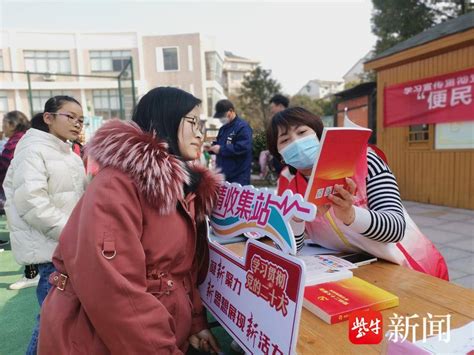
259 143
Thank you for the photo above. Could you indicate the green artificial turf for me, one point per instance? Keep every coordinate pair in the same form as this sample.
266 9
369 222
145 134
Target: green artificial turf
18 309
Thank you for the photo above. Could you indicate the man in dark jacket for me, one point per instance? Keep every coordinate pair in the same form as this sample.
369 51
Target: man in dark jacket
233 147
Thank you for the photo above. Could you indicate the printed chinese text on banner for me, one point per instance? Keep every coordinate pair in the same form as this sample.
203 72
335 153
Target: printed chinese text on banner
257 298
245 209
440 99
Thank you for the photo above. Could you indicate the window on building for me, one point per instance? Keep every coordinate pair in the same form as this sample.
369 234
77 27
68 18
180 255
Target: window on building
454 135
237 76
167 59
210 102
1 60
3 104
170 58
106 103
418 133
109 61
41 96
47 61
214 67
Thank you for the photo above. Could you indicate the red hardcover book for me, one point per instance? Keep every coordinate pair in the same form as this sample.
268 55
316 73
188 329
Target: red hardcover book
341 150
334 301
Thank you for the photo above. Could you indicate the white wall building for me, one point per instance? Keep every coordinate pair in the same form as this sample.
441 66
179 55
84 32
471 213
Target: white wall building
214 83
355 73
169 60
318 89
235 69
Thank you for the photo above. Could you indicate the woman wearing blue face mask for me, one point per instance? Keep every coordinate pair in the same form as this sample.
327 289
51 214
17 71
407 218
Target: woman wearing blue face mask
366 215
293 137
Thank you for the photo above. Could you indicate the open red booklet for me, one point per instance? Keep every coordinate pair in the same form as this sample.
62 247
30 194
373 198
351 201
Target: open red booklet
341 149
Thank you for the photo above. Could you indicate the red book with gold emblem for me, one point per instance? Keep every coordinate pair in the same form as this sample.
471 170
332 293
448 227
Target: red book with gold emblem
342 148
334 301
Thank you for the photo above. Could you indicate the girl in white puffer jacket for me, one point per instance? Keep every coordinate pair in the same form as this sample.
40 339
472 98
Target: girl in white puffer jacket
44 182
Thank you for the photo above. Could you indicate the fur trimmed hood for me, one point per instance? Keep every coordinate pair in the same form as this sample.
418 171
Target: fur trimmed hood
158 175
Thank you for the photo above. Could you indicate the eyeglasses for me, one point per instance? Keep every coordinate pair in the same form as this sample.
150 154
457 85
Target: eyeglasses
196 124
70 118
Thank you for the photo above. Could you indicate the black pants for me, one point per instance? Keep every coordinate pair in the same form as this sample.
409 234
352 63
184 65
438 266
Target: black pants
31 271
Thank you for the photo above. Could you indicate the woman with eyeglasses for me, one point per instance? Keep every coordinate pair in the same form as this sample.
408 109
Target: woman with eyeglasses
43 184
135 248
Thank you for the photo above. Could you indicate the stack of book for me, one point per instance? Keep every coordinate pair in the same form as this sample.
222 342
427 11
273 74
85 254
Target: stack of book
334 301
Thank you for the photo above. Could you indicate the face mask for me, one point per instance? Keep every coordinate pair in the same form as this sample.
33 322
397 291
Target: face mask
224 120
301 153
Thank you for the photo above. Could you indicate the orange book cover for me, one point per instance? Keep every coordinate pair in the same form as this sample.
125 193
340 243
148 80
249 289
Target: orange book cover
334 301
341 149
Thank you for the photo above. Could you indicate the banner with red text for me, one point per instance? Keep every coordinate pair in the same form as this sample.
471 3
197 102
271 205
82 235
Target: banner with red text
439 99
256 298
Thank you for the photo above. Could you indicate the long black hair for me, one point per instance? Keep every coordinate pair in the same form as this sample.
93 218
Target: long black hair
161 111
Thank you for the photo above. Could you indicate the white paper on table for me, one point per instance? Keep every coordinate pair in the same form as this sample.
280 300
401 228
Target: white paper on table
325 262
461 341
310 248
325 268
